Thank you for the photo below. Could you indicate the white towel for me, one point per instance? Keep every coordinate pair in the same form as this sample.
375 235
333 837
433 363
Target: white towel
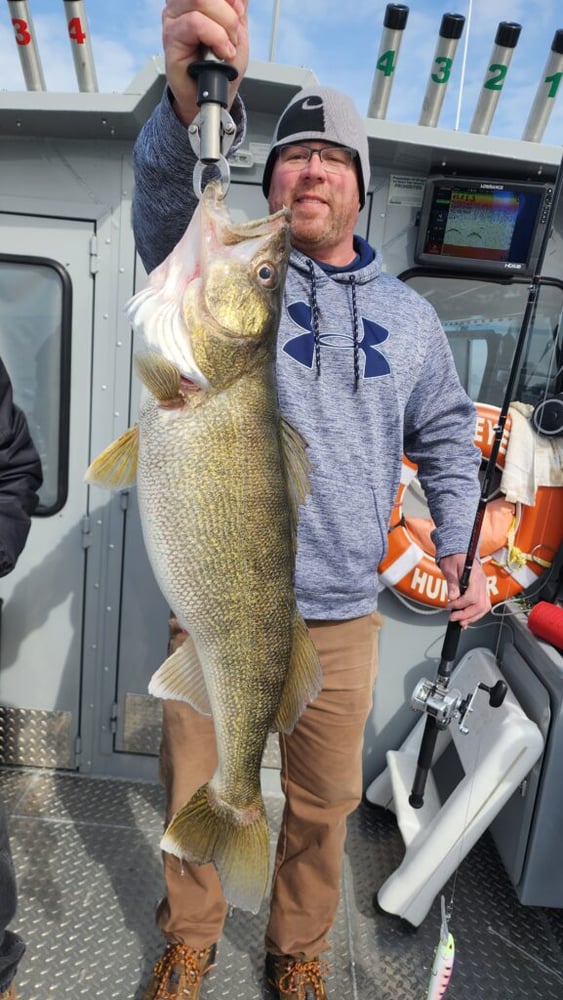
532 460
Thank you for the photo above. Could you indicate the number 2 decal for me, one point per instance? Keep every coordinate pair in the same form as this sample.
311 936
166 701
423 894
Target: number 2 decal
496 81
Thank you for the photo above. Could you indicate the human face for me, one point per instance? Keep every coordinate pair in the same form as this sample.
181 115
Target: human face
324 207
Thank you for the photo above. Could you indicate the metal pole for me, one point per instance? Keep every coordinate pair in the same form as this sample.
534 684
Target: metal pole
449 35
506 40
463 65
546 93
79 37
27 47
394 22
274 35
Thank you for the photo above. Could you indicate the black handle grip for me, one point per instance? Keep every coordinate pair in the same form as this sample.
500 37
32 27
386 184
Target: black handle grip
424 763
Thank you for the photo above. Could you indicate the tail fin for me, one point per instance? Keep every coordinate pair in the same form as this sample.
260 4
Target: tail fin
236 840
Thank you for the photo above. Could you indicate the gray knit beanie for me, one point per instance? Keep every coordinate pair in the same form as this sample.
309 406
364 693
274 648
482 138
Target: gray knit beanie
324 114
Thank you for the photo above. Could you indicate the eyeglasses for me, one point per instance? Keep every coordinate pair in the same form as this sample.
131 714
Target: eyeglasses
335 159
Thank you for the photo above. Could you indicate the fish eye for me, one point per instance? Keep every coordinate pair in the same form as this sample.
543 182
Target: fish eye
267 274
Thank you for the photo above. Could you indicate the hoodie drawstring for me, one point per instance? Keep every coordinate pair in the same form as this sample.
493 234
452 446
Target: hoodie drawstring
316 325
352 281
315 316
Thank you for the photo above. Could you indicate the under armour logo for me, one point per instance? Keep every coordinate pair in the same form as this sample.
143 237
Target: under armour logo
302 347
306 115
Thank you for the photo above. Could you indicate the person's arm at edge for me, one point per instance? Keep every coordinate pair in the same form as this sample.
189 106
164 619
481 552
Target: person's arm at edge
20 477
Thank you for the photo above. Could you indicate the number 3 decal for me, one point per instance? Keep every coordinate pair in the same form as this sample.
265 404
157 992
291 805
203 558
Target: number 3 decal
21 30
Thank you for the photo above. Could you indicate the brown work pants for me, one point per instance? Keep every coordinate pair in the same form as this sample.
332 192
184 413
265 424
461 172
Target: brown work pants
322 782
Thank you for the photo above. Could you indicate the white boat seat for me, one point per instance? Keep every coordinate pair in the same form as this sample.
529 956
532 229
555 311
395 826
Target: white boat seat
500 749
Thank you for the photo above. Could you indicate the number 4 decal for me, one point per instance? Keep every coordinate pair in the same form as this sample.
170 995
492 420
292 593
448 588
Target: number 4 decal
75 31
386 62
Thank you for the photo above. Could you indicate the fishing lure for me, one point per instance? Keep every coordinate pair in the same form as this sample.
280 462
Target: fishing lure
442 966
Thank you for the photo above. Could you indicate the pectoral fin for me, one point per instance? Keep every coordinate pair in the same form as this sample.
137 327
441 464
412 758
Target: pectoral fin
298 467
303 681
181 678
116 467
161 378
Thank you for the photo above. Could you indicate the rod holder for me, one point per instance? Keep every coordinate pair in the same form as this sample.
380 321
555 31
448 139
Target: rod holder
550 85
79 38
506 39
24 34
450 32
394 22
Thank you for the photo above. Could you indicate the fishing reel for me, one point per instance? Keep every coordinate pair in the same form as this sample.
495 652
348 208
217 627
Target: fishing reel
444 704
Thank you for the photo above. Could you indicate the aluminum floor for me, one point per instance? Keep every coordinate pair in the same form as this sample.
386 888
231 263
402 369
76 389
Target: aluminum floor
88 867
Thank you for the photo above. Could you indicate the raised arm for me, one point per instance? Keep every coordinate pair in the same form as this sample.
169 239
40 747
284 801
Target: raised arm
164 200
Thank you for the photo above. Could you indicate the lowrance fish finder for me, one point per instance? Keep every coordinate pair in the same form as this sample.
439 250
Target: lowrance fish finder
485 226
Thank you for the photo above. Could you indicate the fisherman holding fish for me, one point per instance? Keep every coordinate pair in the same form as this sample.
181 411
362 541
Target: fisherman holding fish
364 375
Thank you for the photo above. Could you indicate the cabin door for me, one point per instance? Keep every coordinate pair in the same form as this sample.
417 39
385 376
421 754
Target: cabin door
46 307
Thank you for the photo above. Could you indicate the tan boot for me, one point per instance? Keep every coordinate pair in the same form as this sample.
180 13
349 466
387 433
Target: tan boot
295 978
10 993
179 973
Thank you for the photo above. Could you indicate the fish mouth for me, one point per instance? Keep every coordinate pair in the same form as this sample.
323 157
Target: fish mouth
231 232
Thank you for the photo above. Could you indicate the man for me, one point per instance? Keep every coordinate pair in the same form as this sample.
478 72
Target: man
389 387
20 478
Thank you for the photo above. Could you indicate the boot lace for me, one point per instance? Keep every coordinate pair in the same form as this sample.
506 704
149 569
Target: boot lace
192 963
300 977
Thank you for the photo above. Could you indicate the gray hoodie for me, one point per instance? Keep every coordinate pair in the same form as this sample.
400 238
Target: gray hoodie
364 372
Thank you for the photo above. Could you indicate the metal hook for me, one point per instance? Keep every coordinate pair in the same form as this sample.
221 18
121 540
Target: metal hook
224 175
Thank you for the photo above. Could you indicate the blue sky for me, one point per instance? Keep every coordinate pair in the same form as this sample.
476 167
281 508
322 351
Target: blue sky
336 39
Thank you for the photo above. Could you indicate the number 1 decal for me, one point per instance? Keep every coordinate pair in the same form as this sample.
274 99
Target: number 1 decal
554 80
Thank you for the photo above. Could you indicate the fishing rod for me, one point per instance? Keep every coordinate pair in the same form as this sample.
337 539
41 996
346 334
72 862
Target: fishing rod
434 698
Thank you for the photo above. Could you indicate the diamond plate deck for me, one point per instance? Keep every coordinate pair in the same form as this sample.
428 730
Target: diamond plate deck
88 865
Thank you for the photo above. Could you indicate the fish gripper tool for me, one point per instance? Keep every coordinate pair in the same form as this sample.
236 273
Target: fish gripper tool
213 130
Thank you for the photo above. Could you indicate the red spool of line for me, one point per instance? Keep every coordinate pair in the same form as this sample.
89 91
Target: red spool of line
545 620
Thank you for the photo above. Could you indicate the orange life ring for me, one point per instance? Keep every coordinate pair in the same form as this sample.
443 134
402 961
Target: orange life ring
517 542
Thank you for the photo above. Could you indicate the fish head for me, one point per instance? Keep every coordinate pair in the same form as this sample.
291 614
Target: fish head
232 309
212 308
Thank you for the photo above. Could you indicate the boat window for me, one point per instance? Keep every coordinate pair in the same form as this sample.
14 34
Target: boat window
35 332
482 319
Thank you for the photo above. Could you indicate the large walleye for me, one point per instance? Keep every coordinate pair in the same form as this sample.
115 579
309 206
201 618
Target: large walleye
220 476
